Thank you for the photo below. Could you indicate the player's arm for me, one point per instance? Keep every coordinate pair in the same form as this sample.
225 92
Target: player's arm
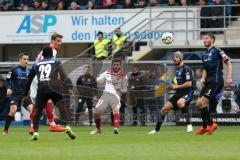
61 72
188 78
9 82
228 63
229 73
226 59
101 78
31 76
204 76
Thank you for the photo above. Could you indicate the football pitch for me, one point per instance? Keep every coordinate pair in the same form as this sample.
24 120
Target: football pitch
133 143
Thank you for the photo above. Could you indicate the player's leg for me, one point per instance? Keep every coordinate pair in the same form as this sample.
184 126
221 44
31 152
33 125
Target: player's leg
40 103
135 113
10 117
209 92
202 103
58 101
81 102
115 104
166 108
90 112
116 118
30 108
49 112
182 104
98 110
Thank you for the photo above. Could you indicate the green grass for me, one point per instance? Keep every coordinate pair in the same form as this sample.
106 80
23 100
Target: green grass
132 143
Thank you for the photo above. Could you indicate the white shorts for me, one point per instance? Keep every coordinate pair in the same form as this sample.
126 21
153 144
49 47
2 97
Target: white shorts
108 101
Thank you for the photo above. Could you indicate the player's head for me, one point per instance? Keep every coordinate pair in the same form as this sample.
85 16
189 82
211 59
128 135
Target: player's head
56 40
136 69
47 52
87 70
116 64
177 57
23 59
208 39
100 35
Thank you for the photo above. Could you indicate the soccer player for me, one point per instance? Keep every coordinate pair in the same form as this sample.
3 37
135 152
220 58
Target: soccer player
16 79
183 94
48 70
56 40
212 81
115 84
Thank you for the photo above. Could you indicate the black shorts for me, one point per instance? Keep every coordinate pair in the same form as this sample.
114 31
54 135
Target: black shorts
42 99
17 100
211 89
176 97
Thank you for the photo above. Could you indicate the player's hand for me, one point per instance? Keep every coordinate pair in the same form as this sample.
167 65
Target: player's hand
9 92
229 81
202 82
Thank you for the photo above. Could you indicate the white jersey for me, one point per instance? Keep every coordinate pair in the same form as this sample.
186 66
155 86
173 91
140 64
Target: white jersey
114 82
34 84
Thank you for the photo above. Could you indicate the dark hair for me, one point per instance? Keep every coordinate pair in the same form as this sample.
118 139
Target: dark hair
211 35
136 66
22 54
47 52
100 33
56 35
116 60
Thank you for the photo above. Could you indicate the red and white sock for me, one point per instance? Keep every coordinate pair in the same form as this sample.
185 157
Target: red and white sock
98 123
116 120
49 112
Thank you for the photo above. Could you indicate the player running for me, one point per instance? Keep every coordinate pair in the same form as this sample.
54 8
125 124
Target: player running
56 40
212 80
183 95
16 79
115 84
47 70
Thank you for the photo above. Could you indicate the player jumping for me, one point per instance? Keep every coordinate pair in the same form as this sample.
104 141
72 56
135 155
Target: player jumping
212 80
115 84
183 95
48 70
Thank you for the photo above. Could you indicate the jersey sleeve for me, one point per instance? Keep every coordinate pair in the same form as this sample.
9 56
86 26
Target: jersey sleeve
204 66
188 74
102 77
225 58
9 78
31 76
61 71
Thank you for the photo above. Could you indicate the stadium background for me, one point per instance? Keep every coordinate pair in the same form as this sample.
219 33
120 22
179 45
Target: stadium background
30 31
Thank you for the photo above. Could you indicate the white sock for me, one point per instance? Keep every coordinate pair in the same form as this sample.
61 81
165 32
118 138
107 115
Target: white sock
52 123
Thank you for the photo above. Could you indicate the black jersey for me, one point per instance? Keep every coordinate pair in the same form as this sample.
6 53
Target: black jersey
213 63
49 73
16 79
184 74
